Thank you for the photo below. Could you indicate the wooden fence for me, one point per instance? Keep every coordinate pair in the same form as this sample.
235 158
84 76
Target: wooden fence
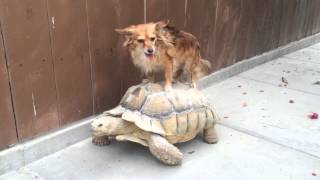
61 60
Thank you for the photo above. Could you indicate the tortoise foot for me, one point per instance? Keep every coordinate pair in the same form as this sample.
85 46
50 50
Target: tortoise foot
210 136
101 141
164 151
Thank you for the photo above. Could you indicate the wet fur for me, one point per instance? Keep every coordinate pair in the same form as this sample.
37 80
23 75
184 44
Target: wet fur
176 52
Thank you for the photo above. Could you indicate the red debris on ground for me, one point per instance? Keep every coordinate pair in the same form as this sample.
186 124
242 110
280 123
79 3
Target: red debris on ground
314 116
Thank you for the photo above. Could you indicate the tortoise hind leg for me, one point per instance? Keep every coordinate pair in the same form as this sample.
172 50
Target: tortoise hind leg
210 135
164 151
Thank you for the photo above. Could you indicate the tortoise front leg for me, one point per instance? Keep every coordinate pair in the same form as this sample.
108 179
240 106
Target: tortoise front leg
101 140
164 151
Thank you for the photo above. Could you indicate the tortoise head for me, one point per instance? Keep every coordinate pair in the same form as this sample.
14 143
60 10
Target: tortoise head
110 126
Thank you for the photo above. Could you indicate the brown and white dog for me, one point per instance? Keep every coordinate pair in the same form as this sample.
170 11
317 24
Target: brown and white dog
158 46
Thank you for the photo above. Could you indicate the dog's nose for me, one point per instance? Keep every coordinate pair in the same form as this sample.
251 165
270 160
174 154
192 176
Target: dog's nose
150 50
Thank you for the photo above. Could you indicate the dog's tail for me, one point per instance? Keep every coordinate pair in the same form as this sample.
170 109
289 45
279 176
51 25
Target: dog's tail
203 68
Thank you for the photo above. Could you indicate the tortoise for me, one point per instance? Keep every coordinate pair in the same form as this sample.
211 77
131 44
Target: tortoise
157 119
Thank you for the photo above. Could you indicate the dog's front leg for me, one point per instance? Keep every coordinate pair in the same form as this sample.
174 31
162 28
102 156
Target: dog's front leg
168 71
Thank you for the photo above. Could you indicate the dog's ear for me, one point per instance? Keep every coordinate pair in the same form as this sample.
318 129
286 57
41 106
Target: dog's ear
126 31
161 24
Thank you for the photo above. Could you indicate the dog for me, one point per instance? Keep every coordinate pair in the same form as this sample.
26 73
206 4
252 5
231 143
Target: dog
157 46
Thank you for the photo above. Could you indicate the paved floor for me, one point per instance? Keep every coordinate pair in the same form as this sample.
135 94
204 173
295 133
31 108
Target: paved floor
265 133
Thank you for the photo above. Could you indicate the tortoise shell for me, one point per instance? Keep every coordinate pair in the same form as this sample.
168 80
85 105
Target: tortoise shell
180 111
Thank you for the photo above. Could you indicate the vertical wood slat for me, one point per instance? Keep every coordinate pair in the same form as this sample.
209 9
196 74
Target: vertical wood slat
176 13
130 12
70 46
156 10
250 21
276 23
8 134
264 27
287 21
103 19
316 17
27 41
310 8
227 37
200 21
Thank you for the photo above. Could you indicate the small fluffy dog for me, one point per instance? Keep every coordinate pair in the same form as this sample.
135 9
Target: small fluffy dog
158 46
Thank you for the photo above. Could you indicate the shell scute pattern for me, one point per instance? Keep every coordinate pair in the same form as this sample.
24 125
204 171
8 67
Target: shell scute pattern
177 112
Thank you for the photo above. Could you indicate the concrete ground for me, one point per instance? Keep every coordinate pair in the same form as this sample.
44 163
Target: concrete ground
265 133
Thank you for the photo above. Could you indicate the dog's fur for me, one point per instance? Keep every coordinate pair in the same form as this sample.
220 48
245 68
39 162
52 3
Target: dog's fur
158 46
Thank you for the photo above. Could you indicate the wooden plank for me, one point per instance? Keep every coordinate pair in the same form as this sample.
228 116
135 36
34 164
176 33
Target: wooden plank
8 133
301 18
249 21
27 41
71 58
102 20
130 12
156 10
276 23
310 16
226 34
200 21
177 13
264 27
316 19
287 21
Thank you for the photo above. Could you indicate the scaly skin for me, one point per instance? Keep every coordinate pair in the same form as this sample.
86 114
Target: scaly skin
164 151
210 135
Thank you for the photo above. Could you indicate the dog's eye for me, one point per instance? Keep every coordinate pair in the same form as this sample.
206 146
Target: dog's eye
152 39
141 40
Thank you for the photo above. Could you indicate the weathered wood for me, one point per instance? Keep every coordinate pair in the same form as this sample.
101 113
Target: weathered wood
106 72
227 37
27 41
8 134
177 13
70 47
200 21
130 12
156 10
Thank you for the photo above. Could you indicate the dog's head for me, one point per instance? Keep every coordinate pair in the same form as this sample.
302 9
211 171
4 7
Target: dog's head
142 37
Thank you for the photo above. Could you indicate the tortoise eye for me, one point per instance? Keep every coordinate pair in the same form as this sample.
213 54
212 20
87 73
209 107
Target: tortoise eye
153 39
140 40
